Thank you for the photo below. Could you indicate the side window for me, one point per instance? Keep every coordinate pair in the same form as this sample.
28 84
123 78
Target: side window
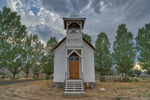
74 57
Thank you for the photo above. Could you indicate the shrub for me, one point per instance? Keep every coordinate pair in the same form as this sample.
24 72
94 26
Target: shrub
136 80
51 89
102 79
47 78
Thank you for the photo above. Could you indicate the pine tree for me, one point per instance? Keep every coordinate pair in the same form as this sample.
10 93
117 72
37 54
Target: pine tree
87 37
103 59
143 46
124 53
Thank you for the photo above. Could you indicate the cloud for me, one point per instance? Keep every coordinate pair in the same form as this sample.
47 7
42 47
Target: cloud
102 15
28 20
44 32
65 7
31 13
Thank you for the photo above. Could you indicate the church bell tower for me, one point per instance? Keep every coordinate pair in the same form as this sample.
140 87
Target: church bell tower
74 26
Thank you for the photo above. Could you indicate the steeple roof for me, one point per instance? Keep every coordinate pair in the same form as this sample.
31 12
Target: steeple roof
74 18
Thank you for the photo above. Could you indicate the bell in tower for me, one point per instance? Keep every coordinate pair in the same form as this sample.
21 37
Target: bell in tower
74 26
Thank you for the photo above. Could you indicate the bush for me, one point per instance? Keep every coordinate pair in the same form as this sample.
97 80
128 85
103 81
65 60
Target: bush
47 78
130 80
136 80
102 79
130 73
126 79
51 89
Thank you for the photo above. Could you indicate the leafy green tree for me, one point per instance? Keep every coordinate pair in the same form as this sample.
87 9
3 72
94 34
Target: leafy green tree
87 37
38 51
13 34
130 73
103 58
124 53
143 46
28 53
148 71
14 67
47 64
4 46
48 59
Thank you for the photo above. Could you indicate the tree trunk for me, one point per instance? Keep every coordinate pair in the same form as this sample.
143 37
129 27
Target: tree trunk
34 75
27 74
14 74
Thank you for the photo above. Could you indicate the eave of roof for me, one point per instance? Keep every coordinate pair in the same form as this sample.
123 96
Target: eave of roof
74 19
82 38
58 44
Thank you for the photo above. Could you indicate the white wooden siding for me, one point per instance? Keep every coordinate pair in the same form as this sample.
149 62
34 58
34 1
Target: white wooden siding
59 63
74 39
88 63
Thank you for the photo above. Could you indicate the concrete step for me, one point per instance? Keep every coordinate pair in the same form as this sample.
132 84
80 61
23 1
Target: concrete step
74 84
74 87
74 92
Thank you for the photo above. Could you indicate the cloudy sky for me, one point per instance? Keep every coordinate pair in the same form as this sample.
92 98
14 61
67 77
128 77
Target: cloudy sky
44 17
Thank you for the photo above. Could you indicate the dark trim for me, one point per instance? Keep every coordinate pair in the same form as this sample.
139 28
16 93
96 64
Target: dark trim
58 44
90 45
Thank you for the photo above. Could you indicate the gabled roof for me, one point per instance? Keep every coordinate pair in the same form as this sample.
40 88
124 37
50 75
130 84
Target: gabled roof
83 40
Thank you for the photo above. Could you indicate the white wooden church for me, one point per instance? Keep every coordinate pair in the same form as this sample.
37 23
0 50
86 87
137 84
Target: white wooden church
74 58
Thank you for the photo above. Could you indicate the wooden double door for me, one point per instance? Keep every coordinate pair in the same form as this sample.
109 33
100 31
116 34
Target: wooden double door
74 66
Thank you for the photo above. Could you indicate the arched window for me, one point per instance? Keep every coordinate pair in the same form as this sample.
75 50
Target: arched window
74 57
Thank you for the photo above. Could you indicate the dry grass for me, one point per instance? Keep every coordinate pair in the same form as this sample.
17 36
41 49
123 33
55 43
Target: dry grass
43 90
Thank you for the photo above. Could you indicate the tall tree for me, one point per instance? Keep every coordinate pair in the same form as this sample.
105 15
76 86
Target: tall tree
124 53
47 61
28 53
87 37
143 46
14 33
38 51
103 58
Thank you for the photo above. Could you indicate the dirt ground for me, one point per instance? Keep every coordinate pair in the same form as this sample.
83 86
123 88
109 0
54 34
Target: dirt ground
42 90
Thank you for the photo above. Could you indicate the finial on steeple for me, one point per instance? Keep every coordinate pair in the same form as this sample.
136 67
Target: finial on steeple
73 15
